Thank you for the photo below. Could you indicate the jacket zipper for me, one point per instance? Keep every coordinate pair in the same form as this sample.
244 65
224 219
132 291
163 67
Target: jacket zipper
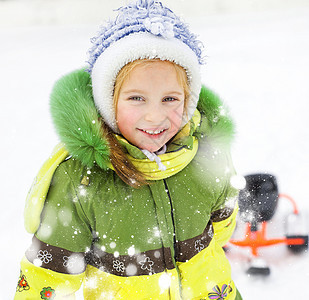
174 238
173 220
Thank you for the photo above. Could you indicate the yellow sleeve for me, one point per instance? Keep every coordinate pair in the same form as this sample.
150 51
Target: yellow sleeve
39 283
224 223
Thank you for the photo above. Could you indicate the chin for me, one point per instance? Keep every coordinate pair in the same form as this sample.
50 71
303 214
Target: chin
152 148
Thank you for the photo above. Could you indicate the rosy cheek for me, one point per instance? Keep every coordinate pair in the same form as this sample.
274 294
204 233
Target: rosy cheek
126 119
131 117
176 116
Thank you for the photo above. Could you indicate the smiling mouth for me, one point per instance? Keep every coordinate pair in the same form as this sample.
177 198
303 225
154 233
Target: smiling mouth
153 133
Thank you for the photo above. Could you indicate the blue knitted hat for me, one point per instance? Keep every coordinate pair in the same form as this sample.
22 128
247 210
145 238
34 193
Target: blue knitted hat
142 30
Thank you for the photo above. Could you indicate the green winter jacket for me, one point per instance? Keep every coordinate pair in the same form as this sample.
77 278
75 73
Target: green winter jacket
161 241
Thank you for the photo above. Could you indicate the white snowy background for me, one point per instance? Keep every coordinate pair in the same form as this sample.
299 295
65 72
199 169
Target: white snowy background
257 61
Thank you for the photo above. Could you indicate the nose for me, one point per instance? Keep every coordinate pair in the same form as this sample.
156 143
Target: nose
155 114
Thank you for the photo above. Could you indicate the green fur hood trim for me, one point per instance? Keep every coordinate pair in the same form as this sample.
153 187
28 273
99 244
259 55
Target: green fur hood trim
78 122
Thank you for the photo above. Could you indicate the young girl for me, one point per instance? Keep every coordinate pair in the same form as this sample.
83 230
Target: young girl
136 202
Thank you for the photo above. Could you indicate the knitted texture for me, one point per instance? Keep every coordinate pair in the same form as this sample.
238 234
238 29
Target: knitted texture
143 16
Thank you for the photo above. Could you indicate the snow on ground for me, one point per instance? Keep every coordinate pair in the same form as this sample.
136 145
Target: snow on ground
258 63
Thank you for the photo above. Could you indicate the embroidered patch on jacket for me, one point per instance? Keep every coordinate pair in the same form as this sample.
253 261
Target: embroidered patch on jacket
48 293
22 284
220 294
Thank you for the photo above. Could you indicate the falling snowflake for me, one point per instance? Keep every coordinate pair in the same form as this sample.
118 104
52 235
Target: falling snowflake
131 270
75 263
165 281
131 251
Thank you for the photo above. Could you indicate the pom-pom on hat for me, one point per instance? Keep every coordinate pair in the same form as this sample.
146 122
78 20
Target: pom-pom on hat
142 30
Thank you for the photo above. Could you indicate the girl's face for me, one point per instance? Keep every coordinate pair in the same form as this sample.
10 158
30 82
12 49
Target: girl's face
150 105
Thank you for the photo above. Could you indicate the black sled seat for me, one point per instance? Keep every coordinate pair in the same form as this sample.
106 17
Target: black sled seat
258 200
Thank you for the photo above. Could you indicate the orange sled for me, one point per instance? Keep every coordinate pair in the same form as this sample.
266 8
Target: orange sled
257 205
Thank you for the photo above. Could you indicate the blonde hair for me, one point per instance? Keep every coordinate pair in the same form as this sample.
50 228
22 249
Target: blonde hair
121 163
